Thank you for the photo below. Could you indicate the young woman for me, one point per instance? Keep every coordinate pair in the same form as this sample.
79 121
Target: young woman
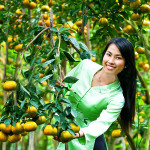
102 93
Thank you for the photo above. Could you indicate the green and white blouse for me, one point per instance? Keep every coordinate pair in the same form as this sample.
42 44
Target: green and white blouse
101 105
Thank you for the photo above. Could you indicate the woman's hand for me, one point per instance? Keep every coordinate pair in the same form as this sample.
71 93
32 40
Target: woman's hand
77 135
59 82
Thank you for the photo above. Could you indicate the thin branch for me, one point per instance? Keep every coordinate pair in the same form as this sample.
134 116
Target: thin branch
144 85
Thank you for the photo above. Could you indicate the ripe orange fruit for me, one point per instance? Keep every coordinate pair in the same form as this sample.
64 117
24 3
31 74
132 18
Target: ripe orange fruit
18 11
45 16
14 138
145 67
125 2
74 127
6 129
41 75
3 137
45 8
47 22
32 5
136 55
19 47
26 3
54 131
9 85
30 126
50 3
93 58
103 21
24 133
40 120
145 8
79 23
66 136
40 23
146 22
43 60
18 128
32 111
135 4
135 16
44 83
116 133
2 7
48 130
140 50
140 63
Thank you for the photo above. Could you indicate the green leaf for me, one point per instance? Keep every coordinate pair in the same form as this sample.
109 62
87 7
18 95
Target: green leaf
85 20
69 57
64 125
83 46
71 131
7 122
48 62
54 29
32 61
34 103
57 118
62 29
85 55
75 11
46 77
24 91
83 7
22 104
74 113
54 109
70 79
42 102
74 42
65 100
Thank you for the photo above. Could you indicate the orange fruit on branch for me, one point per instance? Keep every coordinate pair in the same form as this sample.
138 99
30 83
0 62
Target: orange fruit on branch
48 130
19 47
30 126
40 120
103 21
14 138
2 7
116 133
41 75
32 111
135 4
5 129
66 136
32 5
3 137
140 50
18 128
25 3
9 85
74 127
135 16
45 8
145 67
144 8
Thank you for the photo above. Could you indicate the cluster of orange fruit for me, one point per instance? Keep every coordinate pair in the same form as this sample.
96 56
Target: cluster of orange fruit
14 133
65 135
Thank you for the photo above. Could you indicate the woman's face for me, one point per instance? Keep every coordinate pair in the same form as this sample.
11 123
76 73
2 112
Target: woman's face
113 62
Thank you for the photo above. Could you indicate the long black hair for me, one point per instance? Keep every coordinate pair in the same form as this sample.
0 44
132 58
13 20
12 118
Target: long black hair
127 78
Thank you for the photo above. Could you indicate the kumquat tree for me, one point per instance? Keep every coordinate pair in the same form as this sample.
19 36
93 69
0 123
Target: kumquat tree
40 39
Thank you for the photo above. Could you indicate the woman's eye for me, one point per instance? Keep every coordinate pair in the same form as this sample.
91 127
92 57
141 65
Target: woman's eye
108 54
118 57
